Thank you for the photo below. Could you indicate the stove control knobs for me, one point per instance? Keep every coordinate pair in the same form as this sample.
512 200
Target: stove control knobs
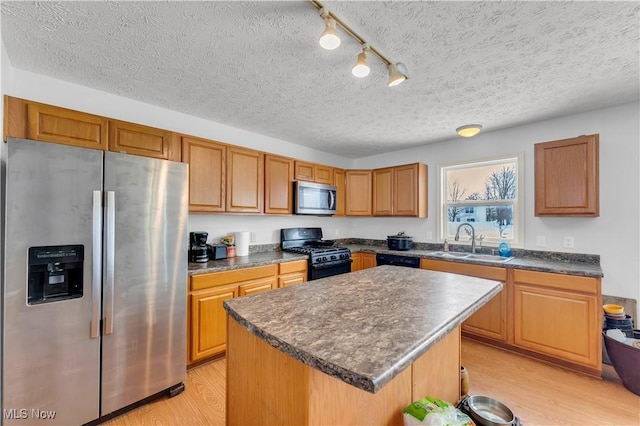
333 257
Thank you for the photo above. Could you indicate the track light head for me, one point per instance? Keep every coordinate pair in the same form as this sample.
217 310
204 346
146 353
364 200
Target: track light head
361 67
329 38
397 74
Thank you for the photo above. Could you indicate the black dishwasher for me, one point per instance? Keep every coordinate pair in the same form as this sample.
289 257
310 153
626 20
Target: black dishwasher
394 259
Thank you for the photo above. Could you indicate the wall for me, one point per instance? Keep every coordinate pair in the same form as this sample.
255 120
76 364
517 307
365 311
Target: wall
614 235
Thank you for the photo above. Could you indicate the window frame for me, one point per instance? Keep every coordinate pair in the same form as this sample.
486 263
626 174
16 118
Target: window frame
517 204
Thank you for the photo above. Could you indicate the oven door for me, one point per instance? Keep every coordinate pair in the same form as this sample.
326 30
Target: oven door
328 269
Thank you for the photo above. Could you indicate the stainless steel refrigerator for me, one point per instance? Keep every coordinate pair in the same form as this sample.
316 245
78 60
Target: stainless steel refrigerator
94 281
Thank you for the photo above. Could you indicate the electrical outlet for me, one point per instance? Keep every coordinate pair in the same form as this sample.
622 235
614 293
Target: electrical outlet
541 241
567 242
429 236
253 237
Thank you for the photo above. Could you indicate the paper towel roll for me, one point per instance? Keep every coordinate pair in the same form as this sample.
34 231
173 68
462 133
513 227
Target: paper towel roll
242 243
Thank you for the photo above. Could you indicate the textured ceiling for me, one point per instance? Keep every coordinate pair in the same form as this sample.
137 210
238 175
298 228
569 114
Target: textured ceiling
257 65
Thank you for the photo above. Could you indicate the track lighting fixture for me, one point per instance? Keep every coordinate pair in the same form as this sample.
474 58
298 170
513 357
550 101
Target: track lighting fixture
329 39
361 67
469 130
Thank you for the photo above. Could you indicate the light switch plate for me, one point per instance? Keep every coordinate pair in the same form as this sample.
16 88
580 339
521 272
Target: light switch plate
541 241
429 236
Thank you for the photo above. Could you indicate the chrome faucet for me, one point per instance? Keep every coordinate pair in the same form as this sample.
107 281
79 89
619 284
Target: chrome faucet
473 235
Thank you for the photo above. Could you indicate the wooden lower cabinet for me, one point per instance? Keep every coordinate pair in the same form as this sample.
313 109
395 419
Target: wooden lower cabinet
490 321
559 316
292 273
553 317
207 319
362 261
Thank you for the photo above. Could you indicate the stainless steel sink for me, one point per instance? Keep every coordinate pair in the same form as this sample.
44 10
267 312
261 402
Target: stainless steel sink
471 256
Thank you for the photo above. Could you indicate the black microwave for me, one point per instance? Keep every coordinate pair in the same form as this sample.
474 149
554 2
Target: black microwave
314 198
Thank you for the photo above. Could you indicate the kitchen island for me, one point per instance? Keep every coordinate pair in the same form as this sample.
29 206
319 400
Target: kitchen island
349 349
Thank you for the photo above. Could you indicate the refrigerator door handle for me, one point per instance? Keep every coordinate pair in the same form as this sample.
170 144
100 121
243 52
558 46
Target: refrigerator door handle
110 230
96 273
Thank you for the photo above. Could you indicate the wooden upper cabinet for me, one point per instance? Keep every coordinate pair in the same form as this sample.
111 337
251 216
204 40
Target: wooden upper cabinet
278 177
65 126
358 192
312 172
207 167
245 180
400 191
566 177
142 140
383 192
338 181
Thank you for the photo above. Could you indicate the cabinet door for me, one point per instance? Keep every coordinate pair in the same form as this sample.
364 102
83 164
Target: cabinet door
142 140
358 194
245 180
383 192
289 280
278 177
362 261
324 174
209 321
257 286
305 171
410 190
206 174
566 177
489 321
64 126
558 316
338 181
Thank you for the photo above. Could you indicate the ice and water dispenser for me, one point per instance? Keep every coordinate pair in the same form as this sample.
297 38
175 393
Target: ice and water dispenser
55 273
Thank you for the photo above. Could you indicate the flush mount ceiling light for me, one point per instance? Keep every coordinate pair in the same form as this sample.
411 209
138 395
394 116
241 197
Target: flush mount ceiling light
468 130
361 67
329 39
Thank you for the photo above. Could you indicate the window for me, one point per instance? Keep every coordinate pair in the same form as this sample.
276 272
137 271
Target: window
488 195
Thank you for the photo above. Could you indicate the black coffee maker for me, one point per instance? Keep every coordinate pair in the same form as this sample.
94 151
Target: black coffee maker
198 247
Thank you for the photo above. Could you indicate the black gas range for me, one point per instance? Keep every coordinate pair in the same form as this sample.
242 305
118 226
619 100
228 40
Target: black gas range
325 258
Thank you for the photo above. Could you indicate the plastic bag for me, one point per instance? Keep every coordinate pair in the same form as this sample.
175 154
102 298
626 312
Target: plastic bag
434 412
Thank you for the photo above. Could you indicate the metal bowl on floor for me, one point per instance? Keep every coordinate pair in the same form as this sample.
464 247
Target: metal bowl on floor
489 412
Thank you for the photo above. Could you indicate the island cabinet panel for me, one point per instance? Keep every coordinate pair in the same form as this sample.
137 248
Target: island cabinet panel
292 393
362 261
64 126
142 140
559 316
490 321
278 190
245 180
566 177
209 321
292 273
341 198
207 166
358 193
432 371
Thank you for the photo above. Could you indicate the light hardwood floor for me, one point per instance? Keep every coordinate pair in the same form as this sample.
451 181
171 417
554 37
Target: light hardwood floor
538 393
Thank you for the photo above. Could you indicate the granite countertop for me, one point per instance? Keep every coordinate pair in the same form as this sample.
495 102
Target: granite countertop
239 262
558 263
582 265
366 327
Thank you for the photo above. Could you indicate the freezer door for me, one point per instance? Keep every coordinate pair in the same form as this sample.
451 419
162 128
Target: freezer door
50 362
145 278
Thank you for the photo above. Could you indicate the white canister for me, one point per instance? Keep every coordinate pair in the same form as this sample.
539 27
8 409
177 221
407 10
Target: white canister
242 243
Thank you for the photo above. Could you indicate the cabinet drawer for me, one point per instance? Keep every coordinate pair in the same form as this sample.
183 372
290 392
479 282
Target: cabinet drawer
295 266
199 282
487 272
588 285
